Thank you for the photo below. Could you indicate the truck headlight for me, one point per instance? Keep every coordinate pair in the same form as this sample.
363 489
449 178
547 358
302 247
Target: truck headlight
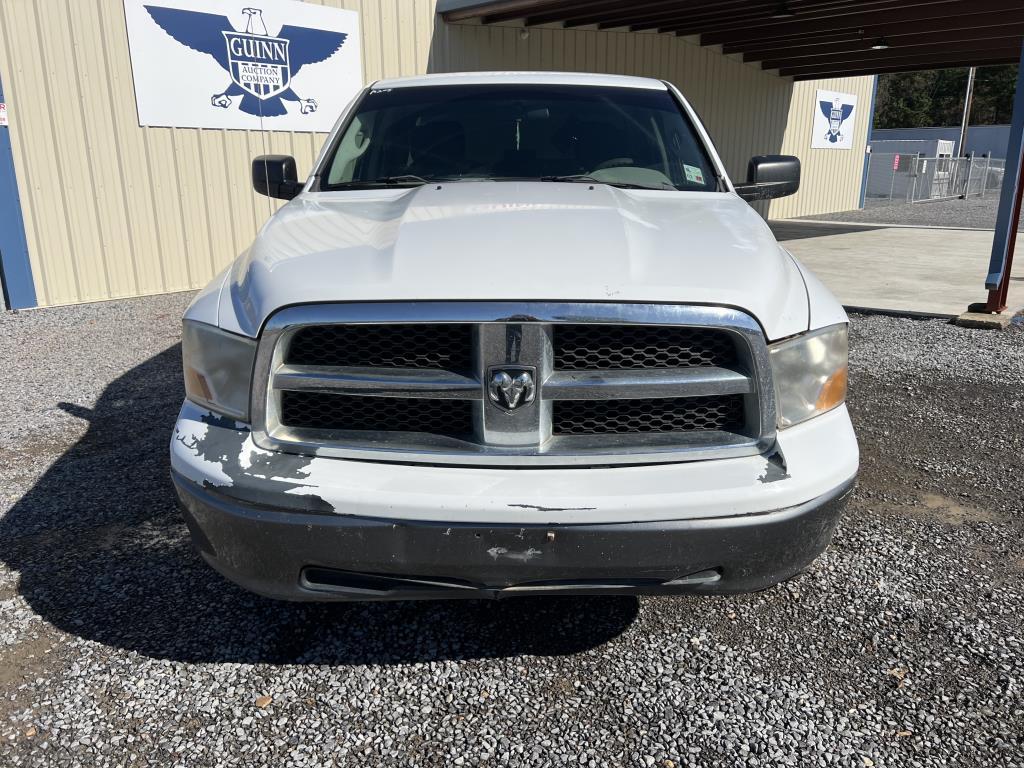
810 373
218 368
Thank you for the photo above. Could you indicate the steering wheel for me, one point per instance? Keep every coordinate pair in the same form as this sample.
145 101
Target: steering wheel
615 162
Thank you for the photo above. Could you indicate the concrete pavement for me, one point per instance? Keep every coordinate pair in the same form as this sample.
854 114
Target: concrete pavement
908 269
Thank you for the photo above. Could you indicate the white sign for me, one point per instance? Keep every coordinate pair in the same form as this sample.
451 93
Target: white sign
833 120
277 65
3 114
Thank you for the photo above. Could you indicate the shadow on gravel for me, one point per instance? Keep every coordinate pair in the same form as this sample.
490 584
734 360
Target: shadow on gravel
104 554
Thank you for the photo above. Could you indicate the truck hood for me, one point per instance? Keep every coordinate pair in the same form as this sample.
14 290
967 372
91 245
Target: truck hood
534 241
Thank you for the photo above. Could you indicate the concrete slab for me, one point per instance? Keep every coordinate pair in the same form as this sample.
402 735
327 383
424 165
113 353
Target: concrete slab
898 269
986 320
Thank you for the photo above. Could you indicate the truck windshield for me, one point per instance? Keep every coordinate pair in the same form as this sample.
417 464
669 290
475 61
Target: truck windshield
627 137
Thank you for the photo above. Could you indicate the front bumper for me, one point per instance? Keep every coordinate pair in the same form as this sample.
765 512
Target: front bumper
303 528
303 556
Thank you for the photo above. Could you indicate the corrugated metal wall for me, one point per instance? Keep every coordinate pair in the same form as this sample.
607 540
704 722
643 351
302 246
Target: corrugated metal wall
112 209
831 177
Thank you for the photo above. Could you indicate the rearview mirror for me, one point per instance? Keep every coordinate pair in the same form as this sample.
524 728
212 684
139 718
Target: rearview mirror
770 176
275 176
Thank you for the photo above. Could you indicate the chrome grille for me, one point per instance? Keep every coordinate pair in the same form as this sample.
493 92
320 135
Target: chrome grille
326 410
607 383
670 414
616 347
435 346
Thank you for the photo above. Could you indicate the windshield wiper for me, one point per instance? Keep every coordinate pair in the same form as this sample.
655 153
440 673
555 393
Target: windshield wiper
406 180
582 178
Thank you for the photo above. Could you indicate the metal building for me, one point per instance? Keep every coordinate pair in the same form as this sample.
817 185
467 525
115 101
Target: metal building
94 206
982 140
112 209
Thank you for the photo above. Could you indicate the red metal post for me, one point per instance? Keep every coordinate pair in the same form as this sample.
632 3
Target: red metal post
997 281
997 298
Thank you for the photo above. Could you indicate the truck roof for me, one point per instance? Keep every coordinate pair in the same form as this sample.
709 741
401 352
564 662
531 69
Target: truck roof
539 78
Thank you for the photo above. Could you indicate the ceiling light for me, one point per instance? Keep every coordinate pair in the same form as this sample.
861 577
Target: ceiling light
880 45
782 11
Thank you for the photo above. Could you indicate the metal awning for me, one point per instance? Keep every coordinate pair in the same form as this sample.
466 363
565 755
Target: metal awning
803 39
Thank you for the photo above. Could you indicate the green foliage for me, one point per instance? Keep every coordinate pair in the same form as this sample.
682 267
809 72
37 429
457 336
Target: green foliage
936 97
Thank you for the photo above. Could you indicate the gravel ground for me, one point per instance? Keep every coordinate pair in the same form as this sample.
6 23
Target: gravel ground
970 214
902 646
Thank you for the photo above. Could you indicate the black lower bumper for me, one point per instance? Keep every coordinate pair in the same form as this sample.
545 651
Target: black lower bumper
294 555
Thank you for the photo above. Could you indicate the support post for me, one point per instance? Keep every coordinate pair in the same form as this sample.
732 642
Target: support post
961 147
1001 263
867 148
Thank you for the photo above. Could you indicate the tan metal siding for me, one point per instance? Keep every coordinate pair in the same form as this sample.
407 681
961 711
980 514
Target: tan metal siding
112 209
831 178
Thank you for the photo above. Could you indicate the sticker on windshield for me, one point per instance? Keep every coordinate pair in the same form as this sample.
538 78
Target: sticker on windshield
693 174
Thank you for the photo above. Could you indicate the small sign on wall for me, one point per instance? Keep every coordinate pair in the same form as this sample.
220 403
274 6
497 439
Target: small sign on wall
4 122
276 65
833 120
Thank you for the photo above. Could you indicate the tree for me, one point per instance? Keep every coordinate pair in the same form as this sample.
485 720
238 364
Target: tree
936 97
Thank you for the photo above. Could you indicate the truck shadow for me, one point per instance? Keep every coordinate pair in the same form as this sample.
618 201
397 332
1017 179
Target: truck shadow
103 554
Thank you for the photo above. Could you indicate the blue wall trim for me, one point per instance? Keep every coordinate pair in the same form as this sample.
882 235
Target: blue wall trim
15 267
867 157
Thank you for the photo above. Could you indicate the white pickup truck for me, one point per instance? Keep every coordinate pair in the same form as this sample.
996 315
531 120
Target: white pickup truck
515 334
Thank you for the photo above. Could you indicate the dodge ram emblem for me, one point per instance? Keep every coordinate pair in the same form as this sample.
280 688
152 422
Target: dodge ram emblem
511 387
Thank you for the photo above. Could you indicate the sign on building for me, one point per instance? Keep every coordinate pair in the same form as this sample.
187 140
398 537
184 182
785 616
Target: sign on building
833 120
278 65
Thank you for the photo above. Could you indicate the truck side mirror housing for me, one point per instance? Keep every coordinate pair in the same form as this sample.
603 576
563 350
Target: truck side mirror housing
276 176
770 176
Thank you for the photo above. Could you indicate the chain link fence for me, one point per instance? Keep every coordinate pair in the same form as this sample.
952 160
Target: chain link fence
906 178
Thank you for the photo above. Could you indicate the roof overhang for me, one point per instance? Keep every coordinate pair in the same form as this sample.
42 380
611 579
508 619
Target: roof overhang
804 39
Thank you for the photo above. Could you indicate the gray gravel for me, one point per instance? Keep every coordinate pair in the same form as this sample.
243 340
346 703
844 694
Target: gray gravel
969 214
901 646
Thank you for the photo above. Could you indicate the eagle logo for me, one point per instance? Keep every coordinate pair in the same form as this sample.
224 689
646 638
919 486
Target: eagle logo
261 65
836 113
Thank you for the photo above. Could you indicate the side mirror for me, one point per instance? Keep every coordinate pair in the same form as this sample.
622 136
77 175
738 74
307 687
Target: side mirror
275 176
770 176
